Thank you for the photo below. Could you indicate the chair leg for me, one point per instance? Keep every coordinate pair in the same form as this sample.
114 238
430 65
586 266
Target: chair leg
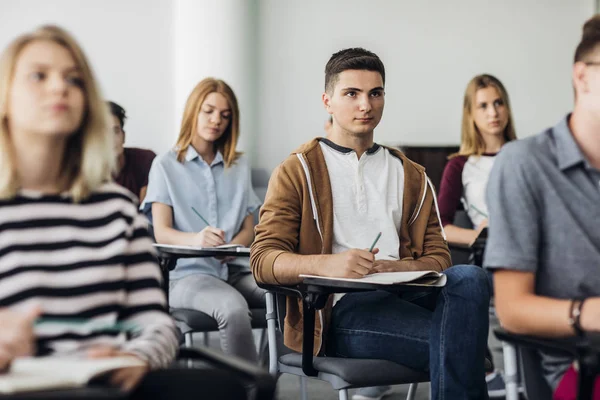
510 371
303 391
343 394
189 339
205 338
262 348
272 335
412 391
189 342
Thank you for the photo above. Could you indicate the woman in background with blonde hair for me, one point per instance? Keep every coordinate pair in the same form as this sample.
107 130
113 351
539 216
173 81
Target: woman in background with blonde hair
487 124
72 244
200 194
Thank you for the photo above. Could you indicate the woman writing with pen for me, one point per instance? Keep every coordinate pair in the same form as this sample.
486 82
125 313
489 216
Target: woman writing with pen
200 194
487 125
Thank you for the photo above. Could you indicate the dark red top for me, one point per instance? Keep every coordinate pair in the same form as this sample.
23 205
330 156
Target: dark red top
451 189
134 175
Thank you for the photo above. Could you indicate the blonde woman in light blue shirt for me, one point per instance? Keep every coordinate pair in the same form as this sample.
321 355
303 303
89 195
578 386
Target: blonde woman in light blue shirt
200 194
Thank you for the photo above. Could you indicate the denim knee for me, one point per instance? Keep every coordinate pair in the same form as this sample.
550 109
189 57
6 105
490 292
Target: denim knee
468 281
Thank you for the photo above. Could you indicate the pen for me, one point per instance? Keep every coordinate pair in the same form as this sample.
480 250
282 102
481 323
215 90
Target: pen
201 217
478 211
375 241
122 326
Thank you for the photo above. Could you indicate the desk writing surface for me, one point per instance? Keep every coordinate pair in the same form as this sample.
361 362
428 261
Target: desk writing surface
192 251
413 278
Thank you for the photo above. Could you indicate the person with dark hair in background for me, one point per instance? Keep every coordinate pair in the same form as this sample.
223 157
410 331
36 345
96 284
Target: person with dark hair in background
364 188
544 242
133 164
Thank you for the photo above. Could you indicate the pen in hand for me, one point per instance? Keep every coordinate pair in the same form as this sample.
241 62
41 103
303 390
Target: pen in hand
478 211
212 231
375 242
201 217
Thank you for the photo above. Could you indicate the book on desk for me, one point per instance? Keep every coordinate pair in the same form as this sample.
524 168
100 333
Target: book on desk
28 374
411 278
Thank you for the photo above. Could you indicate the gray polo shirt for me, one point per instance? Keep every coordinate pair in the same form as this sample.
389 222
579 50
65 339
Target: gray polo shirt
544 209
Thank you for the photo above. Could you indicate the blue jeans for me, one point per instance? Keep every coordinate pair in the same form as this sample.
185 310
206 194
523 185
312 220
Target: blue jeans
442 332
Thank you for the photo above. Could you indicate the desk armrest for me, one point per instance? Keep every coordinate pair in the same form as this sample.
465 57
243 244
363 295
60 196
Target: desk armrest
566 346
289 290
260 378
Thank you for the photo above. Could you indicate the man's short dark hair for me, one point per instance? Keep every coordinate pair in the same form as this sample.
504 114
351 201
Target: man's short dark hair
354 58
118 112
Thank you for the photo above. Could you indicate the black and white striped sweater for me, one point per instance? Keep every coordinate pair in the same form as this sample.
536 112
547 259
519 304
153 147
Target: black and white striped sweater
90 264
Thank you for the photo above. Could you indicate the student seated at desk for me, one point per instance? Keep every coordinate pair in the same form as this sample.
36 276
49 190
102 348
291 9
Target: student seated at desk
71 243
487 125
133 164
324 206
543 198
200 194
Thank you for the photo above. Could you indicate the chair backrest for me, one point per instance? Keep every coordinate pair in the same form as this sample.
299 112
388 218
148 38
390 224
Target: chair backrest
536 386
462 220
260 182
460 255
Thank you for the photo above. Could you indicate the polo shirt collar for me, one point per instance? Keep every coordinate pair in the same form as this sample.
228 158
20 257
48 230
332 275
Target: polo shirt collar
345 150
568 153
192 154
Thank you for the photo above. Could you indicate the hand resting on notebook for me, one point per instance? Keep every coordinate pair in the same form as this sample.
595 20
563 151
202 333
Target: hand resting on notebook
16 334
126 378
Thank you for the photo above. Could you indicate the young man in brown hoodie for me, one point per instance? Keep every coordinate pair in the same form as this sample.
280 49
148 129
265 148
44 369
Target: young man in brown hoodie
325 204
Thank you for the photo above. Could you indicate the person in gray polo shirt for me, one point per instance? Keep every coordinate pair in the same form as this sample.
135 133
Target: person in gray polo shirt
543 197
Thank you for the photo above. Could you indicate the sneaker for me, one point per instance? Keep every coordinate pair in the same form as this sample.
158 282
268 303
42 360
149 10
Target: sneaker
495 385
372 393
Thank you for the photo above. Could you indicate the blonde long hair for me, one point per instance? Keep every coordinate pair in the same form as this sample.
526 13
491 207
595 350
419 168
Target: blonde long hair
189 125
89 155
471 142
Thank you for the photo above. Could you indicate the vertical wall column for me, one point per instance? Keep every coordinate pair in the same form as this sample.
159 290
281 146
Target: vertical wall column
217 38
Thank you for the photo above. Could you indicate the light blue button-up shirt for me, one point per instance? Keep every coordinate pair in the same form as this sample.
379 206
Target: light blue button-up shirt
223 196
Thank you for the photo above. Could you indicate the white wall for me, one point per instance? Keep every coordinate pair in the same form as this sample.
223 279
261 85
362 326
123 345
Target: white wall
431 49
216 38
148 54
130 45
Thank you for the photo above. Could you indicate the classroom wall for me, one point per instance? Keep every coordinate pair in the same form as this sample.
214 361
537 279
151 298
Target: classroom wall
148 54
130 44
431 49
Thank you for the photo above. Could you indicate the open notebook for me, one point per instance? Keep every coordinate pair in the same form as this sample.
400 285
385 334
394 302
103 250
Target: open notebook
413 278
238 248
53 372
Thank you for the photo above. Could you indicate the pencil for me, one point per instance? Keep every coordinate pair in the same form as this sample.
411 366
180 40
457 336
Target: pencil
477 210
201 217
375 241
